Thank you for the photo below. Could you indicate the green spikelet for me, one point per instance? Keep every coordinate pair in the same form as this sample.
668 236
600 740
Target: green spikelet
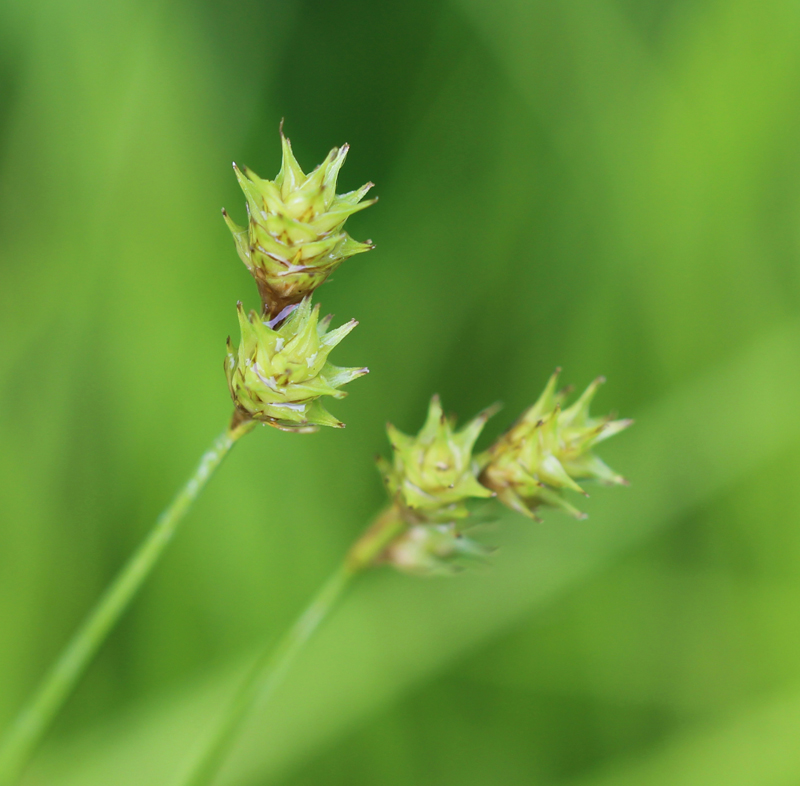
432 474
294 237
548 450
278 374
434 550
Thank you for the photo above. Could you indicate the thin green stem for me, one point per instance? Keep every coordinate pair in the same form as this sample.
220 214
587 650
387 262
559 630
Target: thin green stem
272 665
265 676
24 735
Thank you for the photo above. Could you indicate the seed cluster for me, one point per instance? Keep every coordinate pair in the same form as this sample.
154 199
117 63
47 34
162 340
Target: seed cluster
293 241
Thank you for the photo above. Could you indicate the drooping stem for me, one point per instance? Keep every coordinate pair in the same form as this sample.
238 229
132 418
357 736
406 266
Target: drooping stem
20 741
272 665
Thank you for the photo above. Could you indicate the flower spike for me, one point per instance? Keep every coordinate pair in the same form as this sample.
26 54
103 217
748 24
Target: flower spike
278 374
294 238
432 474
434 550
548 450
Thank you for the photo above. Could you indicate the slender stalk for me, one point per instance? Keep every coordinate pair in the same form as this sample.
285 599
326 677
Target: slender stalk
267 673
26 732
272 666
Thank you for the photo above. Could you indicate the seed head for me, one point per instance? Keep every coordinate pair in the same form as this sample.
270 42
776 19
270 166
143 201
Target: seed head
294 237
548 450
432 474
278 374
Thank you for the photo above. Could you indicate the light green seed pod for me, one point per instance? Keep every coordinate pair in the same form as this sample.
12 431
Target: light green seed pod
434 549
279 373
432 474
548 450
294 238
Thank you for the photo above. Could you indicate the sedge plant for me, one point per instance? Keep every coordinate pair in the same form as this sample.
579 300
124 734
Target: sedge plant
277 376
294 239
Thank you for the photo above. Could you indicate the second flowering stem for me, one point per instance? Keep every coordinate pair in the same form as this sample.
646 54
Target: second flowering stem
272 665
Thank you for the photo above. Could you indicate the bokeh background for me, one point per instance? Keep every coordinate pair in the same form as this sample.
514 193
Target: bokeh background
612 186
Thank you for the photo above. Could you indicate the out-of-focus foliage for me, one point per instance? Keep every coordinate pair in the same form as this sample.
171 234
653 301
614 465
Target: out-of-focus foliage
612 186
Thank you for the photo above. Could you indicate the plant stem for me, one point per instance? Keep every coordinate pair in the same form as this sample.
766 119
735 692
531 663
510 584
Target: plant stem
266 675
272 666
24 735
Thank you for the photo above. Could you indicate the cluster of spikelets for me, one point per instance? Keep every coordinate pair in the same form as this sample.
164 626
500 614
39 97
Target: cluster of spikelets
293 241
541 457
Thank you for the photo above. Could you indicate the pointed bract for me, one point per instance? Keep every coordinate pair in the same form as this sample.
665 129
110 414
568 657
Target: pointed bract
294 237
278 375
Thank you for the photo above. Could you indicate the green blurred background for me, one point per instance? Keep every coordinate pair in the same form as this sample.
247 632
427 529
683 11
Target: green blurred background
608 185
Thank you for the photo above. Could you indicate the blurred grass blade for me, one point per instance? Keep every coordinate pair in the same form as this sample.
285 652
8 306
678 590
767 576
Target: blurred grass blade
756 747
